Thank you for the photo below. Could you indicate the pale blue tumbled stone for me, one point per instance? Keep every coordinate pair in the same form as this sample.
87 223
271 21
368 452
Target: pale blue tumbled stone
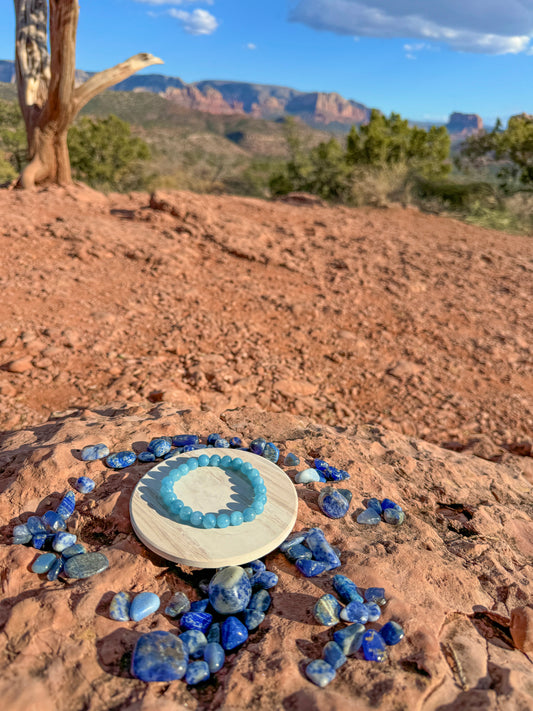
311 568
320 672
374 647
195 642
196 621
21 534
264 579
177 604
306 476
76 549
230 590
63 540
159 656
94 451
119 609
159 446
326 610
146 457
86 565
55 569
120 460
144 604
355 612
253 618
233 633
292 460
350 638
346 589
298 551
320 548
369 517
67 506
197 671
334 655
332 503
43 563
84 485
260 601
374 611
214 656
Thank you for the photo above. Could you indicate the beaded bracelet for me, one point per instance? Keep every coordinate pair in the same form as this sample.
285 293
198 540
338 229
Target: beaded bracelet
211 520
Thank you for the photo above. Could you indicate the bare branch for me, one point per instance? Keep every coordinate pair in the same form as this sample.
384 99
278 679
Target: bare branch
32 58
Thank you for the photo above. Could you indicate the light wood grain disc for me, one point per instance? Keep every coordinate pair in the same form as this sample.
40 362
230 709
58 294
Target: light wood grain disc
212 489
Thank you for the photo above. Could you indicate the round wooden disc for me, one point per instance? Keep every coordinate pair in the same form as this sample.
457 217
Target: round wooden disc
219 491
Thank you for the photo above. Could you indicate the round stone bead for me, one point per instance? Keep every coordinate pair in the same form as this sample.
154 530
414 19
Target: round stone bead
209 520
203 460
175 507
185 513
237 463
214 460
197 518
230 590
223 521
236 518
248 515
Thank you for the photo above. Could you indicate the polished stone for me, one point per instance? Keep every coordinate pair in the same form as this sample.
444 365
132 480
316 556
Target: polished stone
257 446
144 604
222 443
326 610
306 476
332 503
200 605
320 672
63 540
43 563
35 525
374 611
374 504
120 460
214 656
376 595
292 540
185 439
256 565
213 633
159 446
196 621
291 460
195 642
233 633
53 521
159 656
369 517
298 551
178 603
212 438
39 539
147 456
311 568
374 647
388 504
55 569
235 443
271 452
21 534
85 565
67 506
119 608
94 451
321 549
392 633
75 549
393 516
230 590
350 638
253 618
84 485
264 579
261 601
333 655
320 465
197 672
355 612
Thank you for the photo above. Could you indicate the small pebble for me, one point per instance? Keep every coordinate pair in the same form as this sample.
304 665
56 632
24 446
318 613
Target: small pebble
253 618
144 604
321 549
21 534
334 655
67 506
374 647
55 569
196 621
76 549
388 504
311 568
159 446
350 638
271 452
257 446
355 612
320 672
120 460
326 610
332 503
195 642
197 672
233 633
184 440
374 504
230 590
94 451
178 604
222 443
346 589
53 521
392 633
307 476
264 579
394 517
159 656
369 517
63 540
43 563
374 611
292 541
376 595
119 608
214 656
86 565
84 485
146 456
260 601
292 460
298 551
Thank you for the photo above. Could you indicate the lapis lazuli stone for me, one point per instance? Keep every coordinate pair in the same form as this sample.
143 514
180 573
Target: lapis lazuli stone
320 465
55 569
94 451
146 456
200 605
196 621
197 672
235 443
260 601
332 503
84 485
230 590
53 521
388 504
195 642
185 439
326 610
75 549
21 534
43 563
320 548
271 452
374 647
159 446
264 579
144 604
355 612
177 604
306 476
120 460
256 565
35 525
374 504
311 568
159 656
298 551
63 540
374 611
392 633
253 618
393 516
212 438
257 446
369 517
86 565
38 540
213 633
376 595
333 655
321 477
233 633
67 505
292 460
350 638
292 541
119 608
214 656
320 672
222 443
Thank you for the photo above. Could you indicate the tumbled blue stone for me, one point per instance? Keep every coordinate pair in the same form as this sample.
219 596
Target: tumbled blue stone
212 438
298 551
320 672
84 485
334 474
21 534
200 605
355 612
119 609
271 452
230 590
292 541
260 601
214 656
146 457
321 477
144 604
76 549
94 451
264 579
159 446
332 503
374 504
369 517
43 563
253 618
177 604
194 642
388 504
257 446
235 443
374 611
374 647
256 565
292 460
320 465
197 672
306 476
63 540
311 568
38 540
392 633
85 565
159 656
120 460
192 447
320 548
346 493
35 525
350 638
376 595
333 655
233 633
213 633
222 443
394 517
196 621
185 439
326 610
67 505
53 521
55 569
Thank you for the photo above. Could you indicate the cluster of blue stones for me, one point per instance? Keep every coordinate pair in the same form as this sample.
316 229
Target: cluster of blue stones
311 553
358 610
391 512
321 471
237 601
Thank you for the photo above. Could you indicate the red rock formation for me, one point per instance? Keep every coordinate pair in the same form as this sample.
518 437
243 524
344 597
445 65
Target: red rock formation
464 124
210 101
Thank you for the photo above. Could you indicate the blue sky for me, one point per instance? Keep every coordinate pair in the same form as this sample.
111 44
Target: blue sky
421 58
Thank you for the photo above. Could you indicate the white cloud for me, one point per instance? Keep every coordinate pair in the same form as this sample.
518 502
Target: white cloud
197 22
251 45
481 26
410 56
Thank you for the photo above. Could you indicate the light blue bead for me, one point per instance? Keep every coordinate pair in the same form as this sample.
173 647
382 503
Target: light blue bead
248 515
191 464
334 655
63 540
222 521
185 513
43 563
225 461
175 507
209 520
84 485
236 518
236 464
197 672
320 672
230 590
119 609
203 460
214 656
214 460
257 507
195 642
144 604
374 611
197 518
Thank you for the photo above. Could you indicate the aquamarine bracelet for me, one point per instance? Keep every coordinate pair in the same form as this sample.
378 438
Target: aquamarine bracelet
210 520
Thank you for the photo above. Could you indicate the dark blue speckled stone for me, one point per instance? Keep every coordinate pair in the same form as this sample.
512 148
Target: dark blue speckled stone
120 460
271 452
230 590
35 525
392 633
84 485
67 505
291 460
200 605
63 540
326 610
53 521
320 548
76 549
334 655
253 618
298 551
376 595
94 451
38 540
159 656
320 465
332 503
235 443
197 672
195 642
393 516
119 609
146 456
212 438
56 569
196 621
374 647
233 633
144 604
21 534
185 439
293 540
214 656
369 517
260 601
159 446
264 579
256 565
355 612
257 446
43 563
350 638
311 568
86 565
320 672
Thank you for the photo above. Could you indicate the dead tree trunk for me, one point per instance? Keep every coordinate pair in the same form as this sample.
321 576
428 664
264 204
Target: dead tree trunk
48 97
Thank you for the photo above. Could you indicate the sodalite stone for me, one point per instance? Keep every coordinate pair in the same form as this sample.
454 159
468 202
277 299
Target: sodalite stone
260 601
55 569
35 525
94 451
213 633
146 457
393 516
197 672
233 633
256 565
311 568
43 563
334 655
195 642
214 656
292 541
298 551
212 438
185 439
119 609
159 446
253 618
178 603
63 540
355 612
53 521
271 452
230 590
76 549
85 565
376 595
235 442
374 504
374 647
84 485
320 672
320 548
292 460
196 621
144 604
21 534
38 540
332 503
200 605
392 633
264 579
222 443
307 476
159 656
257 446
326 610
369 517
120 460
67 505
350 638
374 611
